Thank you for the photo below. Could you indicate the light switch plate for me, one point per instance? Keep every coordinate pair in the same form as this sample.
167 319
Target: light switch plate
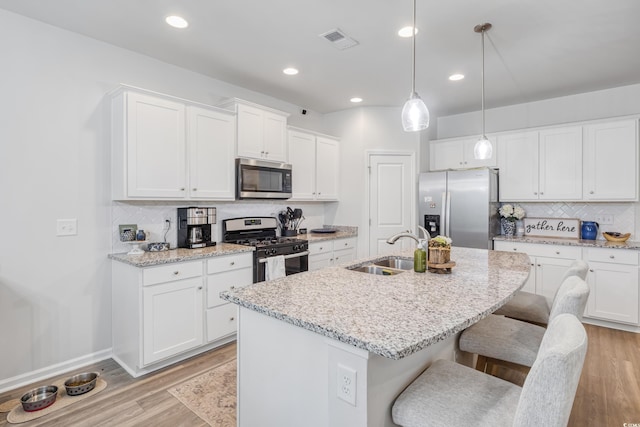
67 227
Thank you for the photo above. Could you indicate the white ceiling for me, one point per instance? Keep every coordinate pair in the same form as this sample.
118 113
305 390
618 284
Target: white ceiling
537 49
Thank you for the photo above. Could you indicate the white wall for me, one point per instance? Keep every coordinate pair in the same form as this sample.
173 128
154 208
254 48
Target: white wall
55 292
362 129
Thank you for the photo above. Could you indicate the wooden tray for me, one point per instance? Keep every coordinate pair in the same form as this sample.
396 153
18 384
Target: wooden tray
441 268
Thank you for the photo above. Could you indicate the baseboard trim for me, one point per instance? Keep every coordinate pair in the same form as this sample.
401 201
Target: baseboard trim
53 370
611 325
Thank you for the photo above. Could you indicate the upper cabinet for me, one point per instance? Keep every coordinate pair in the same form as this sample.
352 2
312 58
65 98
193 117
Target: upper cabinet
541 165
166 148
458 154
261 131
611 161
315 161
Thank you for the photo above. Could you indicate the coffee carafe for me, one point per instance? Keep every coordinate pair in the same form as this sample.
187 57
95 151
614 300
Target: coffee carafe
194 227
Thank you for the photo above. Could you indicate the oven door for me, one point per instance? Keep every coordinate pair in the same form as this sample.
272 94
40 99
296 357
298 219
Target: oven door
293 263
257 179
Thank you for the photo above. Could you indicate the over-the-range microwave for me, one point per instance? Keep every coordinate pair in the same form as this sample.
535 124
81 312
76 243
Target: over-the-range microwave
259 179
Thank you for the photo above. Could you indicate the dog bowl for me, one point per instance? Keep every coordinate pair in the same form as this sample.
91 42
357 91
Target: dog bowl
81 383
39 398
613 236
158 246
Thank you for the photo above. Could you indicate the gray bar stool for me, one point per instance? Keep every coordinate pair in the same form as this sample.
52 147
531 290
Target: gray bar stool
534 308
450 394
504 341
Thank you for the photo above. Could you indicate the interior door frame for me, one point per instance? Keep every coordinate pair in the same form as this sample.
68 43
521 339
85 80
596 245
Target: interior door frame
414 188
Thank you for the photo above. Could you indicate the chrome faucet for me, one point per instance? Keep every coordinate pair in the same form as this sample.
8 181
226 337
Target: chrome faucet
391 240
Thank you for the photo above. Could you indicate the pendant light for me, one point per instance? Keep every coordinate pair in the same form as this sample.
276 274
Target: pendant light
483 148
415 116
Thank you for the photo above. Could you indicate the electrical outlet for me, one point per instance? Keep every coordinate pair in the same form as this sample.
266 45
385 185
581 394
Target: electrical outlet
604 219
346 384
67 227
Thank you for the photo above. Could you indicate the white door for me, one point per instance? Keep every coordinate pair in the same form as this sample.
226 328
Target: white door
391 200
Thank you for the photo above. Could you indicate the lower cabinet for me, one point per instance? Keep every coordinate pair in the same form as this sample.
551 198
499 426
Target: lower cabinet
331 252
613 277
165 313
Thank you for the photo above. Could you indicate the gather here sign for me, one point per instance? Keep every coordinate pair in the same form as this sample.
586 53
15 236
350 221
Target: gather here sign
552 227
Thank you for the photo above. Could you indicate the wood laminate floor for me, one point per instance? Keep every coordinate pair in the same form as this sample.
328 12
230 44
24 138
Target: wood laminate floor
608 394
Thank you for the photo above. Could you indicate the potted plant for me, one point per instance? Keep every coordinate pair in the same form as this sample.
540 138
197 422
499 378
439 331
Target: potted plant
510 214
439 250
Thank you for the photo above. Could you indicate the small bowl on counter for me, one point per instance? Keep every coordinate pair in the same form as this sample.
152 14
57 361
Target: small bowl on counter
612 236
39 398
81 383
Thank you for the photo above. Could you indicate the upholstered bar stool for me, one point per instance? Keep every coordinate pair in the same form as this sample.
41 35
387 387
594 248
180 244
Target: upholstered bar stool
450 394
513 343
534 308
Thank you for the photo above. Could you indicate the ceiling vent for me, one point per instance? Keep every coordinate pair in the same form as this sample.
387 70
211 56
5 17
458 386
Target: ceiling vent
338 39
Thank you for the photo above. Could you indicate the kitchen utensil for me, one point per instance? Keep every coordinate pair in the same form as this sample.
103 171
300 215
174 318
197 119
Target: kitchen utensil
297 213
81 383
39 398
613 236
589 230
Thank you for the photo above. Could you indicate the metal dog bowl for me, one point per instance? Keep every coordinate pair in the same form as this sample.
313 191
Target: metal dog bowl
39 398
81 383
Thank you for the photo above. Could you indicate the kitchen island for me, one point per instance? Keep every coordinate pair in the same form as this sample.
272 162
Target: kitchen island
334 347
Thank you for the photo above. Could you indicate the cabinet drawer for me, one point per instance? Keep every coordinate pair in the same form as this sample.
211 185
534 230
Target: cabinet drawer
221 321
320 247
170 273
224 281
617 256
533 249
344 244
229 262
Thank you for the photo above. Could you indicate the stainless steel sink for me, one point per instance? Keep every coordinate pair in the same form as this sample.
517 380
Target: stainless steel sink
396 262
376 269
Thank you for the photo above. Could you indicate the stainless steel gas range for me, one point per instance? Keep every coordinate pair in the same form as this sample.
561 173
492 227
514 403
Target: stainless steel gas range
260 232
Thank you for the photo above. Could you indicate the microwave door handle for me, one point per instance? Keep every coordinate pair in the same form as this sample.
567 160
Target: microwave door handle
298 255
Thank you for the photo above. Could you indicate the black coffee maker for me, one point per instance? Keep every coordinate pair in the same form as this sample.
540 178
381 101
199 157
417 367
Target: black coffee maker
194 227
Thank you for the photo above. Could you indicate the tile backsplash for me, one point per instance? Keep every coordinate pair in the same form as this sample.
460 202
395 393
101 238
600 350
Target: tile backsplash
151 216
624 214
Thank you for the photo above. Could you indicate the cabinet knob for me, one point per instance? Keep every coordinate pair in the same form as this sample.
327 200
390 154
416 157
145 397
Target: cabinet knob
532 265
460 162
465 163
232 287
321 247
591 270
262 152
515 249
199 288
538 265
194 189
346 244
541 193
175 273
182 189
611 256
535 193
266 153
232 319
557 252
232 263
591 192
319 193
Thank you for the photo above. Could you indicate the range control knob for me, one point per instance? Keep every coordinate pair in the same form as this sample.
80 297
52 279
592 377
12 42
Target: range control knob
296 247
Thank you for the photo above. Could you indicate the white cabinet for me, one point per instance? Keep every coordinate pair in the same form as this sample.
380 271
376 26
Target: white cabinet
225 273
541 165
326 253
613 284
458 154
611 161
315 161
549 263
261 131
210 144
166 148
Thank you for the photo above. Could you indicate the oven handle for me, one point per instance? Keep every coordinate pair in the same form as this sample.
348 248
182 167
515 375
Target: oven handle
299 254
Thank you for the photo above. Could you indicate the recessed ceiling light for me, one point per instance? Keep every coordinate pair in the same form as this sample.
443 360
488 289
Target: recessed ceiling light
177 21
356 99
406 31
456 77
290 71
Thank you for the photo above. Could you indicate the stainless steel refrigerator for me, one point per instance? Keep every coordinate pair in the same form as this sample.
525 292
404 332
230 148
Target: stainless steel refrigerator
462 205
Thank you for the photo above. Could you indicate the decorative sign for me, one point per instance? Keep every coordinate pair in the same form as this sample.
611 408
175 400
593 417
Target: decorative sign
552 227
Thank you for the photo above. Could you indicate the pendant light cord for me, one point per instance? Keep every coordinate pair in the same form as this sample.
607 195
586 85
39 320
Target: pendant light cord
413 73
483 133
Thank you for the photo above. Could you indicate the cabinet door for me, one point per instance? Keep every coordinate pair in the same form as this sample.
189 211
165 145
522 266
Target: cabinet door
518 164
327 168
172 319
316 262
560 164
613 292
221 321
530 284
156 165
211 140
275 137
302 156
470 161
250 132
611 161
549 274
447 154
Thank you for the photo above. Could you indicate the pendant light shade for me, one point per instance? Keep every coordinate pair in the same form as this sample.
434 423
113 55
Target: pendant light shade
415 115
483 149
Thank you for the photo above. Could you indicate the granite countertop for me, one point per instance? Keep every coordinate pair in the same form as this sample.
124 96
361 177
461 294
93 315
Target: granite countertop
149 259
392 316
571 242
342 232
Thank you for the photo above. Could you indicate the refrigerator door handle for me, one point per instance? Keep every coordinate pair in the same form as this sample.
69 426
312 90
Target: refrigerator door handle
448 214
443 218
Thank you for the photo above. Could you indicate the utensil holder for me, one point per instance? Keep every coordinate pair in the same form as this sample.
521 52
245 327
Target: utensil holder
289 233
